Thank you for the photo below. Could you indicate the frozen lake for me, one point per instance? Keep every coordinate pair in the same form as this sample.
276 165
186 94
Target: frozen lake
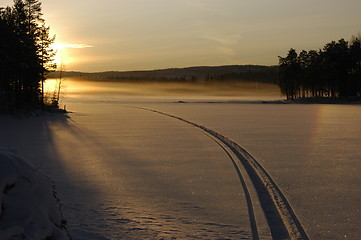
312 151
123 172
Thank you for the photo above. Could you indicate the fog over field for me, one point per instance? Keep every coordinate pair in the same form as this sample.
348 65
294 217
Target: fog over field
153 90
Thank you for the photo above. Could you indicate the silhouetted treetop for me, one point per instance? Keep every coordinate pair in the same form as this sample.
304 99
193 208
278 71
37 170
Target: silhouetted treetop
334 71
25 55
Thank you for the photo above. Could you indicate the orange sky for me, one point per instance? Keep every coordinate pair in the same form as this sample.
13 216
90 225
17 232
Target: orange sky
143 34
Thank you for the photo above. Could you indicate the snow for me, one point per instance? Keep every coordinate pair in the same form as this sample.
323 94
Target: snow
29 206
122 173
311 151
125 173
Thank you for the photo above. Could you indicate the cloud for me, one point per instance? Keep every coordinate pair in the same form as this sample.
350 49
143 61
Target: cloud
224 43
71 45
224 39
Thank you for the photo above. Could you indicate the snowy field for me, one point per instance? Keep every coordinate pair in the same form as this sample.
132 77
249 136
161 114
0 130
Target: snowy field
126 173
22 186
313 153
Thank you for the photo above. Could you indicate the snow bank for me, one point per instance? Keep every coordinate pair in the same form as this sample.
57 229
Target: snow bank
29 206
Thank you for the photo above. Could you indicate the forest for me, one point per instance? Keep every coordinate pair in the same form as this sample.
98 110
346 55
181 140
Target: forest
25 56
197 74
333 72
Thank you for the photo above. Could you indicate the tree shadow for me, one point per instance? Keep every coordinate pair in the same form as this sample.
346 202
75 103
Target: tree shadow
76 157
32 137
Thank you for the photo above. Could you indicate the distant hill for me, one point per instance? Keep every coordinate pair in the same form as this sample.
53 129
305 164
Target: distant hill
199 74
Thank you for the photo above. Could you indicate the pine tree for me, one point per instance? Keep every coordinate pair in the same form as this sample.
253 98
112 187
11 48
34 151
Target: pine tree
355 78
289 70
26 55
334 71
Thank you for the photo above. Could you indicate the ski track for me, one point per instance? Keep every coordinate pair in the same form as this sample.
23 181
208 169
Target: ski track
281 218
251 215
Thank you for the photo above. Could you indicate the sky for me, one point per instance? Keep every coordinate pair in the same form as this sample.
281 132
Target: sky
124 35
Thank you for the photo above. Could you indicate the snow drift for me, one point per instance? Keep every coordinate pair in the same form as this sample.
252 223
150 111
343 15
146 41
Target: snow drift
29 206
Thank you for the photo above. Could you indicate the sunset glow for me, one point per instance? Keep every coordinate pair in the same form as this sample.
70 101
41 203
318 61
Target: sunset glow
140 35
65 54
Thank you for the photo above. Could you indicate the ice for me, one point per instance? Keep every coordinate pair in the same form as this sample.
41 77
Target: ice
126 173
29 206
312 151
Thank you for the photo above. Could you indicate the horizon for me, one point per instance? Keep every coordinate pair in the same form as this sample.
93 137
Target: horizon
169 68
139 35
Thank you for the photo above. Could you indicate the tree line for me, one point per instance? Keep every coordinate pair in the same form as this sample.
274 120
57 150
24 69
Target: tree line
200 74
25 56
334 71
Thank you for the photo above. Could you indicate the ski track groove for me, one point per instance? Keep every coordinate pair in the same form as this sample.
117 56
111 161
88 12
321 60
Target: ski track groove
252 218
281 218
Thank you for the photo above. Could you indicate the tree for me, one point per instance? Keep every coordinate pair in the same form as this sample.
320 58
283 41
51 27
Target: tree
289 70
334 71
9 47
355 78
46 55
25 55
337 63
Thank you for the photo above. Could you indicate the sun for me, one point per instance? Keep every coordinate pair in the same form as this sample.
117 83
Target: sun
63 54
60 52
67 53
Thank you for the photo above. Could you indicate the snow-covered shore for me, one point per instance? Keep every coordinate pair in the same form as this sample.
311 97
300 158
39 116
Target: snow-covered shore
29 206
